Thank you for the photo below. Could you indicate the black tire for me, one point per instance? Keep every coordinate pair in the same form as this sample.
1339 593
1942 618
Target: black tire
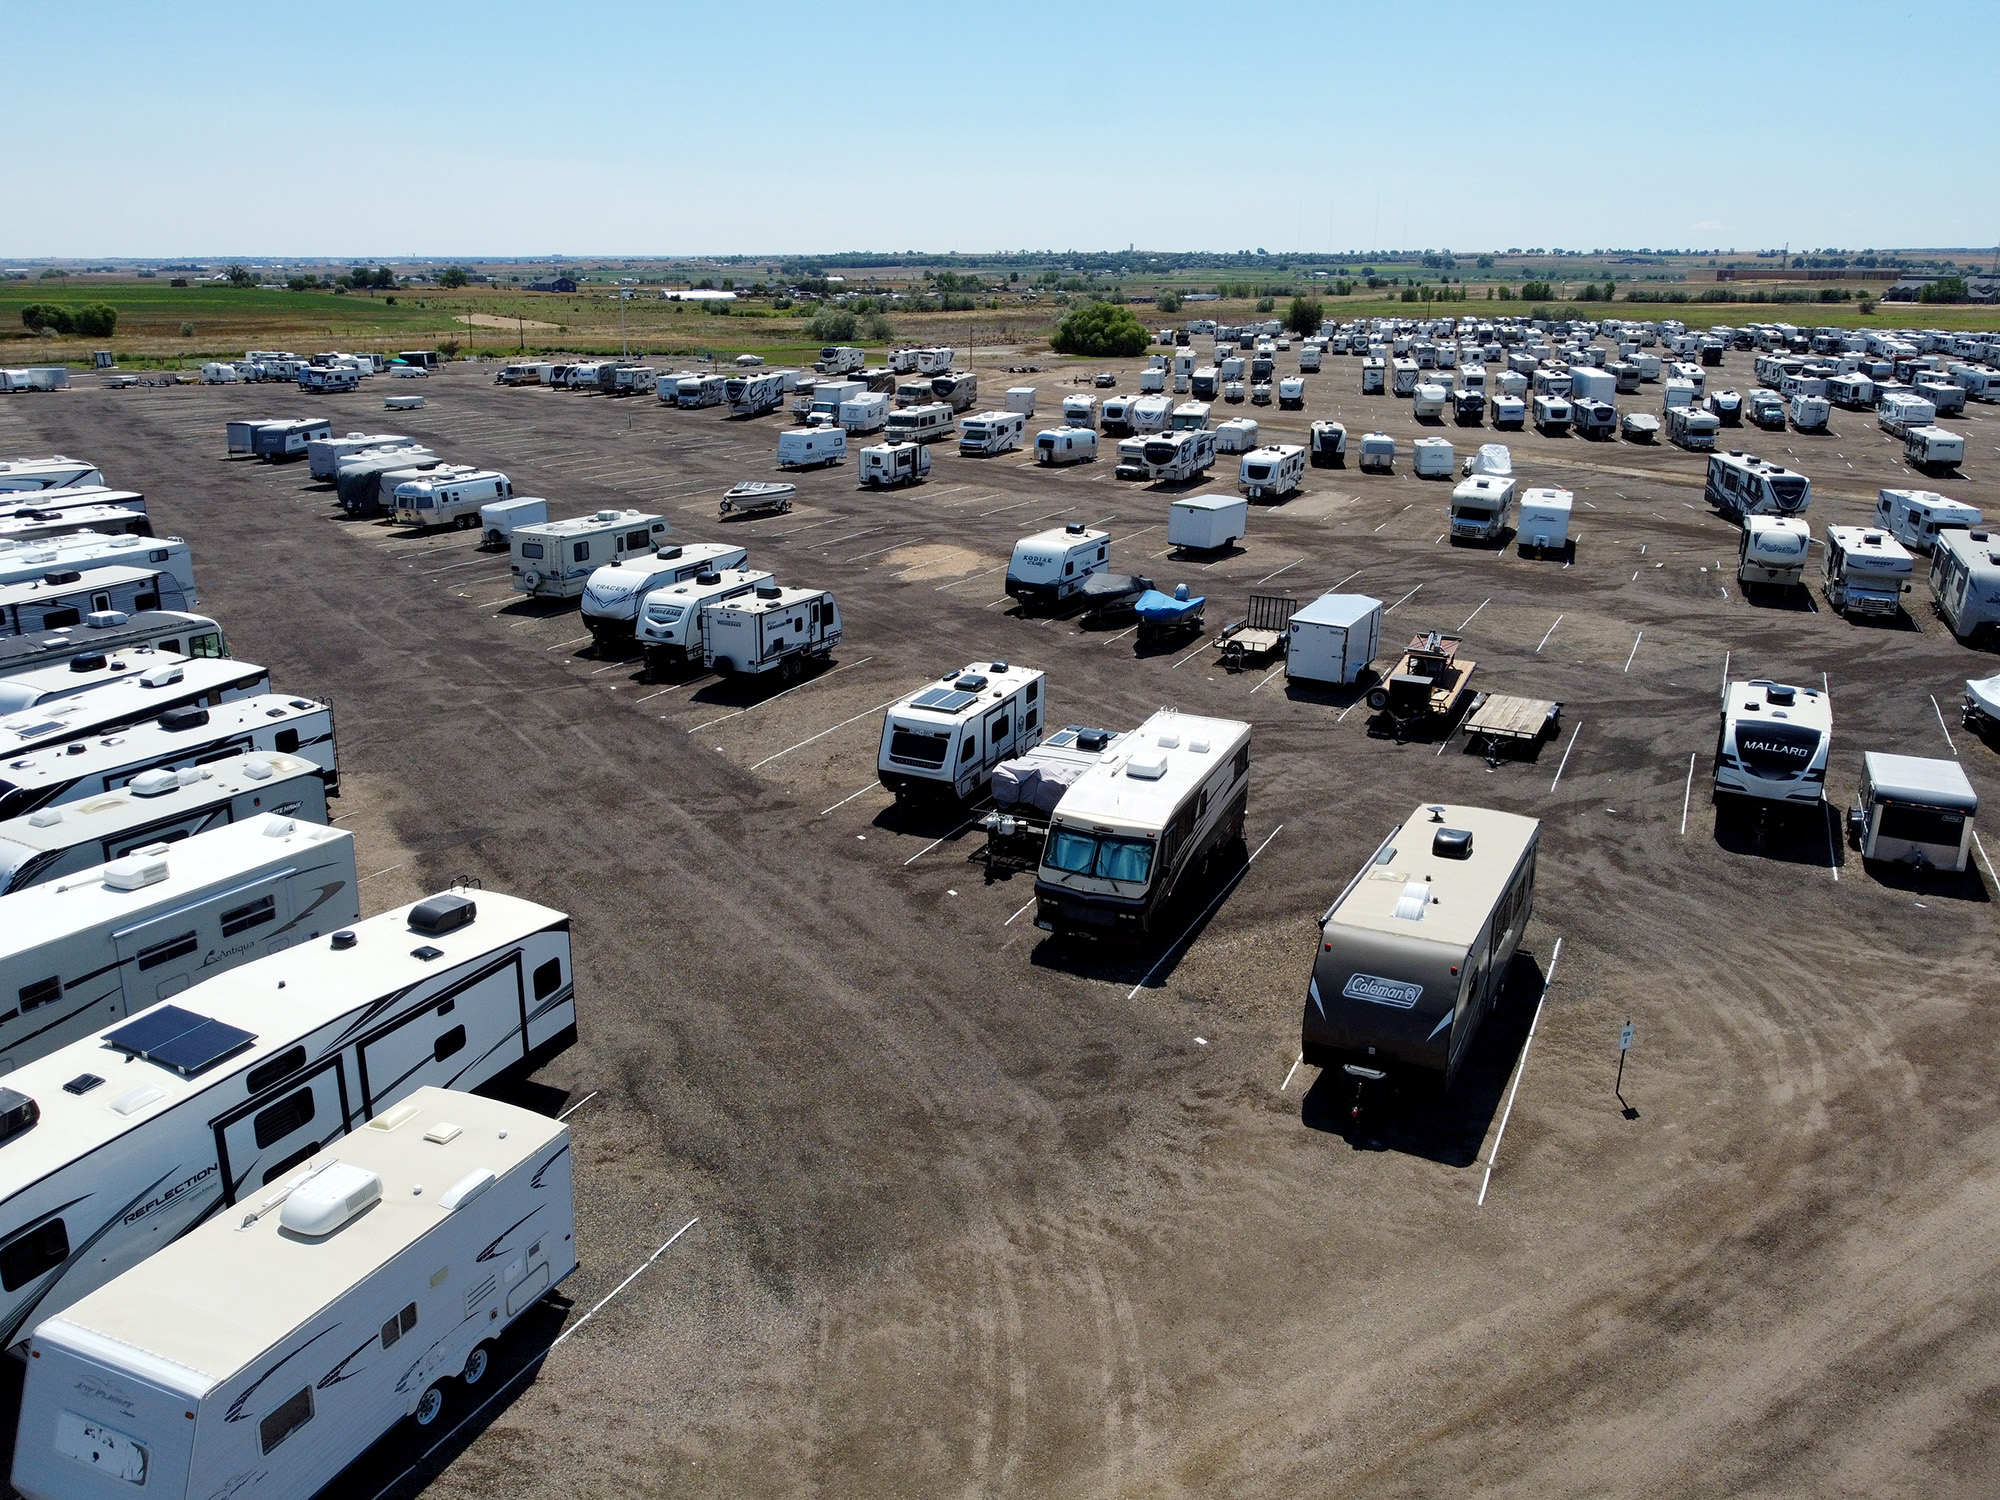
1378 698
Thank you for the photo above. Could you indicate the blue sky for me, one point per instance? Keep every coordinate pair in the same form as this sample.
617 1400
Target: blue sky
512 129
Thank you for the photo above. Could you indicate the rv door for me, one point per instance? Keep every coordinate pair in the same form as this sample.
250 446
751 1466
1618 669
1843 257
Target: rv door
999 734
271 1135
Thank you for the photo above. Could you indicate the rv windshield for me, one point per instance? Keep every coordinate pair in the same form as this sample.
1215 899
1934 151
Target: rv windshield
915 747
1106 856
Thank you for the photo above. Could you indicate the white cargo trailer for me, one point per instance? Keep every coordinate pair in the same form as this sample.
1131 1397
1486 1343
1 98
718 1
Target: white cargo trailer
945 739
1913 810
1433 458
1333 639
499 518
1021 398
554 560
1207 523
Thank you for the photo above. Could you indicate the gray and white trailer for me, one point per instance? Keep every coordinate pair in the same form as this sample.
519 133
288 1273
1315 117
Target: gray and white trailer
1771 748
1175 457
176 740
1066 445
64 598
1741 484
80 953
556 559
22 562
958 389
944 739
69 500
1965 581
1413 954
611 597
264 1354
357 480
753 394
95 696
109 633
28 526
329 378
1933 450
158 807
149 1128
1047 568
1913 810
670 624
840 359
770 629
55 472
889 465
453 495
811 447
282 441
1273 472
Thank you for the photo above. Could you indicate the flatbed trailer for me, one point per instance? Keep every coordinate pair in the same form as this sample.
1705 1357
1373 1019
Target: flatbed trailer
1426 683
1499 719
1261 632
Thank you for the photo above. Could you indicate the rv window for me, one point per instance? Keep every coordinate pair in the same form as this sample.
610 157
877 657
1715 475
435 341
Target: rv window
286 741
281 1119
1241 765
208 644
970 746
61 619
1028 720
913 748
286 1420
41 992
531 549
580 551
548 978
42 1248
281 1066
452 1041
399 1325
167 952
635 540
254 914
999 730
1068 568
1034 689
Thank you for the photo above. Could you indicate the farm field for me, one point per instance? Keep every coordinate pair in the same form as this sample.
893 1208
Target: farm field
975 1213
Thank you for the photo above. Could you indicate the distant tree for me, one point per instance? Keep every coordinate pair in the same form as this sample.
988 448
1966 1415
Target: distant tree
453 278
1100 329
448 348
879 329
1867 304
832 325
1304 317
241 276
1944 289
1169 301
1266 304
39 315
300 284
98 320
1485 262
1536 291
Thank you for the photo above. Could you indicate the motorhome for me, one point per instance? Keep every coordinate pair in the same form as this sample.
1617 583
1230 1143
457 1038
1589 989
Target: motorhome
1191 416
95 695
1333 639
1772 746
1692 428
1509 410
1327 445
611 596
1481 508
865 413
1237 435
1050 566
210 1098
1866 571
754 393
357 479
1915 517
323 454
888 465
1913 810
669 627
944 739
1207 523
1413 954
498 518
26 526
1741 484
1066 445
930 423
450 496
1137 826
235 1351
157 807
83 952
1079 411
534 372
1178 457
1594 419
1373 369
701 390
1933 450
55 472
1149 414
990 433
914 392
556 559
812 447
1433 458
1766 409
1378 453
770 629
109 634
958 390
840 359
1273 472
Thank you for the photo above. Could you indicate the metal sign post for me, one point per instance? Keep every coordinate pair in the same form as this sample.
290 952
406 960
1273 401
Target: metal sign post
1625 1035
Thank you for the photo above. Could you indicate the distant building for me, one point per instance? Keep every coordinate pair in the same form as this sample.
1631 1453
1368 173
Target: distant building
700 294
559 284
1977 288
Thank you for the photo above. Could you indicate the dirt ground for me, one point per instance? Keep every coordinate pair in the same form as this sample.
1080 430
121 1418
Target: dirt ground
978 1216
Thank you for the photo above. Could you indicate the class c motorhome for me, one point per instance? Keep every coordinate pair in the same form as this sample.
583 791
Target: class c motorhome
989 433
1692 428
1771 749
944 739
1079 411
670 624
1772 552
700 390
1866 571
612 596
1741 484
555 560
1481 508
1050 566
1413 954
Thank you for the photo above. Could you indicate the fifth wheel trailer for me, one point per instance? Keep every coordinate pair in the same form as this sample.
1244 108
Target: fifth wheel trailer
1771 748
612 596
275 1346
151 1127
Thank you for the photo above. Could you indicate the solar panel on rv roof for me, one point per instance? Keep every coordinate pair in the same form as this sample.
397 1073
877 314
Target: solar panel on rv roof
944 700
179 1039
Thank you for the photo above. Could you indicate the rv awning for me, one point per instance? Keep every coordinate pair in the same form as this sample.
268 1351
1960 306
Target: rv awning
1924 783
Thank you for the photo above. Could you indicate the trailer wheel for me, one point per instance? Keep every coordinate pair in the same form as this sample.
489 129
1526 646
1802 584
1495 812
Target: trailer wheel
1378 698
477 1363
430 1406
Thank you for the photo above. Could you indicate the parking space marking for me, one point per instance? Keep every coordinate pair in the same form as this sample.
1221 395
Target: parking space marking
1286 569
1475 614
865 531
1687 796
1520 1069
1982 855
849 798
1574 732
1269 675
1634 651
766 702
1941 724
822 734
1195 925
1552 630
1404 599
968 578
1010 921
1192 654
936 841
1288 1074
862 557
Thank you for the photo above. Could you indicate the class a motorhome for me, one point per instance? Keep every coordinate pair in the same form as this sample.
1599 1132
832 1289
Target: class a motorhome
369 1285
1692 428
1772 746
1413 954
1273 472
945 738
23 562
669 628
1481 508
1079 411
1177 457
157 807
1327 446
889 465
811 447
1866 571
146 1129
95 695
1913 810
79 953
67 597
1048 567
1933 450
555 560
450 496
55 472
989 433
1066 445
755 392
109 633
929 423
1741 484
1772 552
1965 581
323 454
612 596
1915 517
1139 824
913 392
701 390
770 629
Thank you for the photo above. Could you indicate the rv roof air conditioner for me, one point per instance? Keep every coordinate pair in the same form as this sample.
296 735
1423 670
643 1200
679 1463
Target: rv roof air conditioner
1146 767
999 666
705 579
442 914
1452 843
1414 902
154 783
136 871
71 576
971 682
768 591
161 676
329 1198
342 940
1092 739
88 663
187 716
18 1113
666 554
1074 528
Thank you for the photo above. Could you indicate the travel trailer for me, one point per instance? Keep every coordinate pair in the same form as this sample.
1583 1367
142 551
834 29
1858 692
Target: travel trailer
323 454
1933 450
1404 381
1116 415
1273 472
1913 810
840 359
1327 446
83 952
670 624
1152 381
1066 445
1742 484
1509 411
888 465
1413 954
1898 414
498 518
1772 746
944 740
1178 457
556 559
1544 522
1915 517
1965 581
450 496
1205 383
1079 411
211 1098
990 433
934 361
1149 414
1810 413
1427 402
1021 398
611 596
811 447
1865 571
1552 415
62 599
28 526
1373 368
1772 552
930 423
46 557
108 633
258 1345
1333 639
357 478
95 695
865 413
958 390
1481 508
1237 435
56 472
1138 825
75 501
1378 453
1433 458
157 807
1050 566
755 392
1207 523
329 378
1291 394
1727 406
1692 428
770 629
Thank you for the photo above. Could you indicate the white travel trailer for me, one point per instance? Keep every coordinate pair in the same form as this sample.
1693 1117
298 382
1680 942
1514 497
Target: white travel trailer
1066 445
1552 380
1896 413
1021 398
1481 508
868 412
95 695
1374 369
1933 450
945 739
1428 401
1152 381
1965 582
103 635
701 390
1433 458
1378 453
1772 746
1773 551
1692 428
1866 571
1309 360
1854 391
1116 415
1810 413
1149 414
1191 415
902 361
1137 825
1509 410
1273 472
498 518
1915 517
1327 445
989 433
840 359
66 598
770 629
958 390
811 447
669 627
1913 810
1404 382
1237 435
1947 397
24 562
259 1347
1594 419
611 597
888 465
76 500
934 361
1291 394
1552 415
27 525
1079 411
56 472
157 807
209 1099
1544 522
555 559
1741 484
452 495
1332 639
755 392
1178 457
83 952
1048 567
1207 523
329 378
323 454
930 423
